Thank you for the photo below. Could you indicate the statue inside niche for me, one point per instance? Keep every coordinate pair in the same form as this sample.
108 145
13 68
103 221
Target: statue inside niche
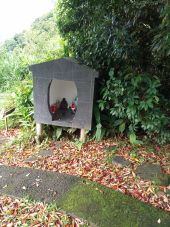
63 106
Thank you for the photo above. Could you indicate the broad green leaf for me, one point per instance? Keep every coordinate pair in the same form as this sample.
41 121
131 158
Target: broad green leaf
132 138
122 127
58 132
97 114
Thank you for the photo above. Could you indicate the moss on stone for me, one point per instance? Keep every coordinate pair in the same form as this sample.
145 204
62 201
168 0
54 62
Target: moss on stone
164 179
108 208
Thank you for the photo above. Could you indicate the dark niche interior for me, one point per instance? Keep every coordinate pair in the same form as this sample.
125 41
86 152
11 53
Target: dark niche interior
62 100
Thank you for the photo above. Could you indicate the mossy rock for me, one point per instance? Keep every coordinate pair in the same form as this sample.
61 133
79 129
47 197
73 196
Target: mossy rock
153 172
106 207
120 161
111 148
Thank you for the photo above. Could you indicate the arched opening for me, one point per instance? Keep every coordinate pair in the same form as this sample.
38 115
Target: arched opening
62 100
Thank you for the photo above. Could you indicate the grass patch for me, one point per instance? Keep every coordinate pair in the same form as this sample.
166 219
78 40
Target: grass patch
106 207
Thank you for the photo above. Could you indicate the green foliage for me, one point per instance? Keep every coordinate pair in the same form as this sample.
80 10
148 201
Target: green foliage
18 41
40 43
109 34
161 44
58 132
26 139
133 103
100 131
78 144
43 42
130 36
161 49
6 101
23 100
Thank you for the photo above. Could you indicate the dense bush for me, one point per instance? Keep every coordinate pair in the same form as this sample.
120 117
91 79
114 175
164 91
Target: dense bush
108 34
127 36
118 34
133 103
161 49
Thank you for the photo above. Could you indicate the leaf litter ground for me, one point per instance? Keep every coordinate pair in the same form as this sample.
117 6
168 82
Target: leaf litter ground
93 162
23 212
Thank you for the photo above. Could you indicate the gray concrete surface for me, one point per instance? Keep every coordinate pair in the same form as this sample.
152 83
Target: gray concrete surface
37 184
